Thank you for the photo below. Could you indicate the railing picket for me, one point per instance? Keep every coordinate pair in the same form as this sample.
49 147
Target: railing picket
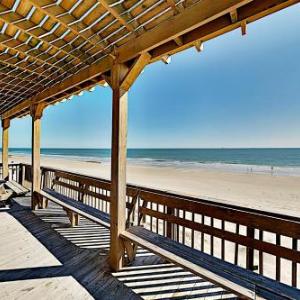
222 241
236 250
278 260
190 220
294 264
202 234
211 238
261 254
250 251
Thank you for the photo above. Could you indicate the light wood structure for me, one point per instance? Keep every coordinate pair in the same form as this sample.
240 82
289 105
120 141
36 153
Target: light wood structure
220 242
52 50
5 131
36 115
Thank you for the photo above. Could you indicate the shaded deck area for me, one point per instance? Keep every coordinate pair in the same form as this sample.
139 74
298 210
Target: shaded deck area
43 257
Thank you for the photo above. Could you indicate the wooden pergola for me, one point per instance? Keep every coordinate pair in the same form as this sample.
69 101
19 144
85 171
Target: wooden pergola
51 50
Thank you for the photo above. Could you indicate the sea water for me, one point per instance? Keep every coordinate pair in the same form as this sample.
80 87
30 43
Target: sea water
277 161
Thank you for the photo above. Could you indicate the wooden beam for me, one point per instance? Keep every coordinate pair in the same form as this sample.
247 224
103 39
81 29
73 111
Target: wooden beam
160 45
5 130
172 4
17 63
118 167
73 81
116 15
244 27
195 16
74 29
136 69
199 46
234 16
17 46
251 12
36 114
24 28
179 40
166 59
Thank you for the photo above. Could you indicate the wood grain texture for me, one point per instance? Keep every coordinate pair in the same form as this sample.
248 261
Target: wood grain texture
56 49
243 282
39 258
118 166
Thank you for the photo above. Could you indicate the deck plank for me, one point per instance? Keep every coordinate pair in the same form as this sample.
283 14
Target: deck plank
38 262
43 257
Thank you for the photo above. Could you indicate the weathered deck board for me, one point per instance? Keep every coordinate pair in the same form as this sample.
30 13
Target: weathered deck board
43 257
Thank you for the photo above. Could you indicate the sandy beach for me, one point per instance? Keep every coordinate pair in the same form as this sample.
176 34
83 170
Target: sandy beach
261 191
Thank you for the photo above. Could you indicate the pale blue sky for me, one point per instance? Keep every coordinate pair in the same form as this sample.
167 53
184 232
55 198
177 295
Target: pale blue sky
240 92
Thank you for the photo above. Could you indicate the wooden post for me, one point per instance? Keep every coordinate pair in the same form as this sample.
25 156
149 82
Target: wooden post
120 81
118 167
5 130
36 114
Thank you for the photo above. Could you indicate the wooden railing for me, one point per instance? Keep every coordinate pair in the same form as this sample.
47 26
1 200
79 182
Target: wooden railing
261 241
15 171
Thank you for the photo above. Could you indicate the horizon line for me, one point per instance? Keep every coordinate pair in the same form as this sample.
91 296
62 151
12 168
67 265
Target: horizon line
160 148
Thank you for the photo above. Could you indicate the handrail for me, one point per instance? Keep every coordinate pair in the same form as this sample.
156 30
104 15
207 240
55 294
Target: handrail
198 222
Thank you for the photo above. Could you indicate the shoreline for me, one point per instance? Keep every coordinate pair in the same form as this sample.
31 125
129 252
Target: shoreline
279 194
274 170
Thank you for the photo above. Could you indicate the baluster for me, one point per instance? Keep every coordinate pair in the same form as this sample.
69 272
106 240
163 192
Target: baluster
177 226
183 228
294 264
201 234
278 264
211 237
157 209
223 241
261 254
250 251
236 250
193 232
151 218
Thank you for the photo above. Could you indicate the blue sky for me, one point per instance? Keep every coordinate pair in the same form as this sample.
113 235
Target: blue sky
239 92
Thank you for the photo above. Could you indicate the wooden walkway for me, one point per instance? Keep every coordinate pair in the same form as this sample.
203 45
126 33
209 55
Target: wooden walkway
42 257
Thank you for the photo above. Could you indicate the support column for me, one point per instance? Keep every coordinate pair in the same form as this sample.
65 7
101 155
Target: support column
118 167
121 79
36 114
5 130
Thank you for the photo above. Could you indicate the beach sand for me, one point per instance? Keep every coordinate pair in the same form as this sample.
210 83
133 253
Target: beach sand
261 191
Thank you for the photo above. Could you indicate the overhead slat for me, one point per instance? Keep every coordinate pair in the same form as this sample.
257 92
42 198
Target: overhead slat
55 48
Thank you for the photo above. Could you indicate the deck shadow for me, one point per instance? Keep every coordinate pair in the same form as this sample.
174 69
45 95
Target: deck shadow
86 266
82 251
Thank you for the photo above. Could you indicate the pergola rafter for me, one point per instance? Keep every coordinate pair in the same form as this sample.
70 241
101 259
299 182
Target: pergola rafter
29 28
116 15
77 28
16 46
21 64
191 27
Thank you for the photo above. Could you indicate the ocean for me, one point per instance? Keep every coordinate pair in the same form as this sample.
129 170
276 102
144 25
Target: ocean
281 161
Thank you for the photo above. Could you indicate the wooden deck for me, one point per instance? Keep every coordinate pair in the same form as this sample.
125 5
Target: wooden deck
43 257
